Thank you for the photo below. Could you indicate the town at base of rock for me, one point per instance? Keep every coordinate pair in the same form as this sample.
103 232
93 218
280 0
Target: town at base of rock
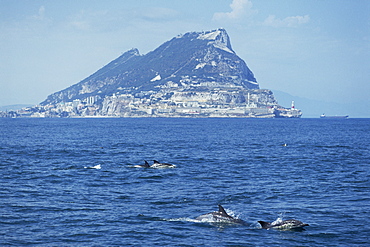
196 74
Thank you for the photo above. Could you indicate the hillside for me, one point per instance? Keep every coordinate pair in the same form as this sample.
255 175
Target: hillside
196 74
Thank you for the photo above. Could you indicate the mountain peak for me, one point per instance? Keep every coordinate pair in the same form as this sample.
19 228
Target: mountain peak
196 74
194 58
218 38
133 51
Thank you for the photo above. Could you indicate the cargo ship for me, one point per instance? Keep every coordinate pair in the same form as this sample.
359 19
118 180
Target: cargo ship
333 117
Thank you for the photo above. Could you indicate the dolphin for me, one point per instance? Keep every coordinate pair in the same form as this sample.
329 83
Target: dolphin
284 224
219 216
157 164
146 165
93 167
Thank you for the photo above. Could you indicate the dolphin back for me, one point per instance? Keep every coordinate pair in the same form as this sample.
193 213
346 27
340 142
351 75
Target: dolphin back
292 224
284 225
222 211
264 224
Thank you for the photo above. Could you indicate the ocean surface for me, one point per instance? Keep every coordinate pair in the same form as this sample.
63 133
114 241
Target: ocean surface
54 194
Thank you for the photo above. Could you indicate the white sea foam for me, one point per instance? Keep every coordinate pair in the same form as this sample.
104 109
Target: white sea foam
183 219
93 167
279 219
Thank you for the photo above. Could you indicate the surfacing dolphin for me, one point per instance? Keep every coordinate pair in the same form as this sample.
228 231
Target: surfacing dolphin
220 216
157 164
93 167
146 165
284 225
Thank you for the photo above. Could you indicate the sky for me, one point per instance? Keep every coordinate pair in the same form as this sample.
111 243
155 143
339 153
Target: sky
313 49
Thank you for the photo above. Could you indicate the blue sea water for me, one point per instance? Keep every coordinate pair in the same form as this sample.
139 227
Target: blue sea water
50 197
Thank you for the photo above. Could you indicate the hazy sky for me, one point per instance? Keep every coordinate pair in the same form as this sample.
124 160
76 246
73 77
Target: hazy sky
317 49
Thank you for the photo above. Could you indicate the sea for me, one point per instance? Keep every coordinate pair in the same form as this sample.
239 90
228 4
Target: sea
73 182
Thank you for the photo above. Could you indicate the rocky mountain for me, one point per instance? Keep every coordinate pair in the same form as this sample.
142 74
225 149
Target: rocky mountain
194 74
203 57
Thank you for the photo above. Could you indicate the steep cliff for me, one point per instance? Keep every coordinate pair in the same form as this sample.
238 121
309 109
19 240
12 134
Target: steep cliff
201 56
196 74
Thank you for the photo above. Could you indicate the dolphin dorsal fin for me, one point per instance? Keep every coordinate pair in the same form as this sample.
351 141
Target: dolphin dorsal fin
264 224
156 162
146 164
222 211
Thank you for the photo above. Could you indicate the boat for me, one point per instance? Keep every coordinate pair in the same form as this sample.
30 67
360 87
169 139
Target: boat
333 117
291 112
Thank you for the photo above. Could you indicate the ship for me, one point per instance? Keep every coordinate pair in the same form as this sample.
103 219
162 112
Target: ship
291 112
333 117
